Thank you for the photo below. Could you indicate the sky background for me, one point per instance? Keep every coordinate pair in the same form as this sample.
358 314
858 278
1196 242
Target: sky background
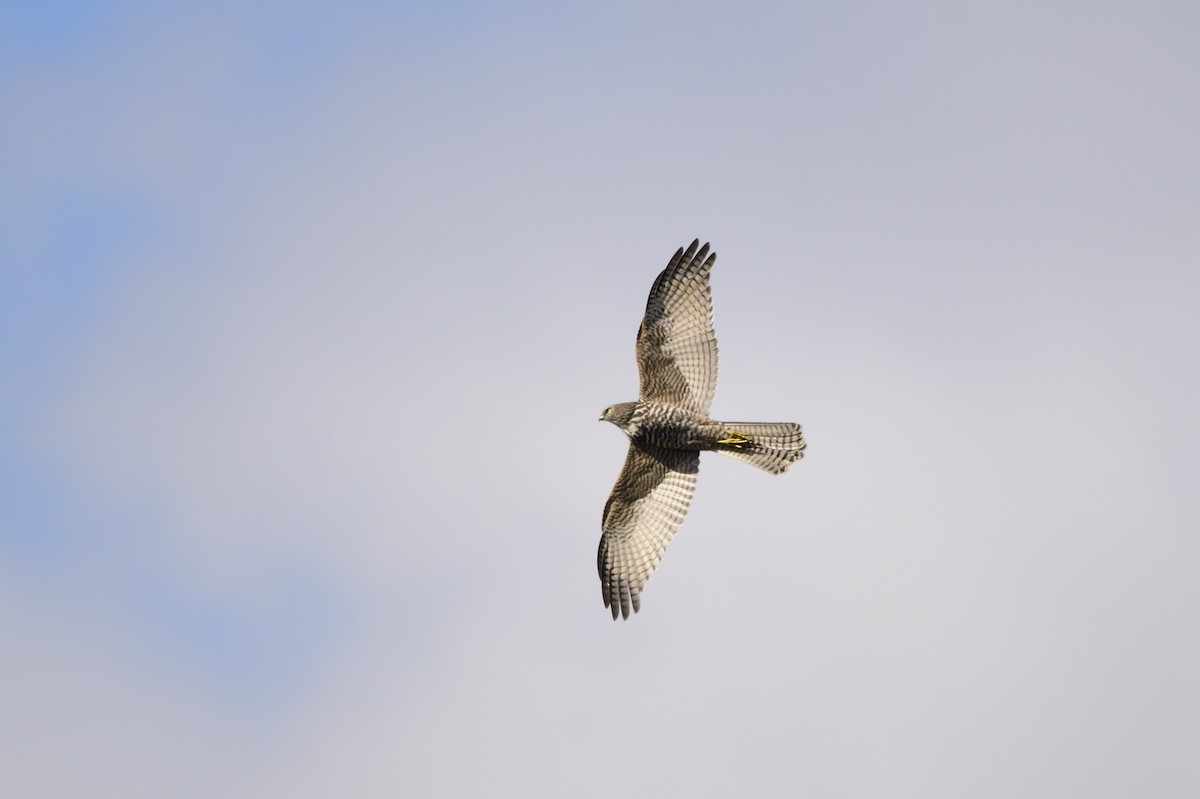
308 312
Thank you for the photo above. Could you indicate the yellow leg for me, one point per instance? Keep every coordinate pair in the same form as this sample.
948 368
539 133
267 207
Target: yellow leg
735 439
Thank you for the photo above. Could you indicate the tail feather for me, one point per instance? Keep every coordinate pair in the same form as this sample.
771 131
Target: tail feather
771 446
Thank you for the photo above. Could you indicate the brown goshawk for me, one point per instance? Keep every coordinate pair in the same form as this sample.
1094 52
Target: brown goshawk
668 427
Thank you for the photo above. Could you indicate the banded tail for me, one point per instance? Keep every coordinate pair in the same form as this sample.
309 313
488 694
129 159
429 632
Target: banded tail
771 446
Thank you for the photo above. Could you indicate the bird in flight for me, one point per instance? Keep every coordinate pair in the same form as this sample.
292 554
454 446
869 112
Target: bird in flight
668 426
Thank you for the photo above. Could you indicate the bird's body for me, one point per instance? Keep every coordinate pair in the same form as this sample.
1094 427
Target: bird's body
658 424
661 425
668 426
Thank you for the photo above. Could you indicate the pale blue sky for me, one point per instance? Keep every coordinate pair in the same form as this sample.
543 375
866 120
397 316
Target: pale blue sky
308 312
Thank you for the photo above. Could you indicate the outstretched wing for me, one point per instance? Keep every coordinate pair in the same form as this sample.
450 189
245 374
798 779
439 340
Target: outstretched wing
646 507
676 345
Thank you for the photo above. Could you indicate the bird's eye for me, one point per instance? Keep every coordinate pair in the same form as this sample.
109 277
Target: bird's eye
608 411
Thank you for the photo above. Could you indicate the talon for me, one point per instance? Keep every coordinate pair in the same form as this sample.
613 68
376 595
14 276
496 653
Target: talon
734 439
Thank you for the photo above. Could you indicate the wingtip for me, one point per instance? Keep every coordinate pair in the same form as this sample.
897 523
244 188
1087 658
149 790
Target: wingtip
618 610
620 604
704 254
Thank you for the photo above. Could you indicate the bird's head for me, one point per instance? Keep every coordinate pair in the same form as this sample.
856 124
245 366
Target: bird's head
620 414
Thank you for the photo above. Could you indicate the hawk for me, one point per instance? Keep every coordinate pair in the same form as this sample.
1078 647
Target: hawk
669 426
